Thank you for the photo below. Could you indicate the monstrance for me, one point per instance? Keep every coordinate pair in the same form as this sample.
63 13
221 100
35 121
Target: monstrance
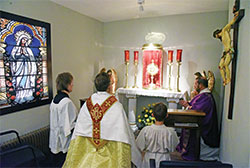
152 69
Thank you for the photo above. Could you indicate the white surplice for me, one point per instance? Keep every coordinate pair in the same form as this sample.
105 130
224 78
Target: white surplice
114 125
157 141
62 121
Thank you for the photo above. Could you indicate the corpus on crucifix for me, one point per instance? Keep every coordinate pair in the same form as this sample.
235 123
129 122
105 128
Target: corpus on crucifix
225 38
228 52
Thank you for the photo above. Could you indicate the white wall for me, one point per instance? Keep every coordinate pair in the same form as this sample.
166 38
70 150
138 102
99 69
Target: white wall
192 33
235 142
77 43
76 47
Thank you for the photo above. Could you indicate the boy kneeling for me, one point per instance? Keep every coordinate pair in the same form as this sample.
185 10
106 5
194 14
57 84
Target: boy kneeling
157 141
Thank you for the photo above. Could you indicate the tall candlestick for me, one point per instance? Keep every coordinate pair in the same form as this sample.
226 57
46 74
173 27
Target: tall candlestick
178 76
136 68
126 84
126 55
136 53
126 63
169 75
178 57
170 55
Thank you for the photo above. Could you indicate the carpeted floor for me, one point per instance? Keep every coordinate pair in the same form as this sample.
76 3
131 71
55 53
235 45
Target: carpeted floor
175 156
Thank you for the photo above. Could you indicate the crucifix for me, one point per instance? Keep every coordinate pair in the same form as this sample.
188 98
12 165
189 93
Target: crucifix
230 52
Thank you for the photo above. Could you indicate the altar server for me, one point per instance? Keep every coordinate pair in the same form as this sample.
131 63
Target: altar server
102 136
157 141
63 115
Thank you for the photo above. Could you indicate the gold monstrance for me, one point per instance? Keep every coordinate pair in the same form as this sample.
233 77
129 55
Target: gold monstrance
152 69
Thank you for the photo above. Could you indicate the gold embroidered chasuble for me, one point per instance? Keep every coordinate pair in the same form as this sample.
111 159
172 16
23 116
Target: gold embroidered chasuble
94 152
97 112
83 154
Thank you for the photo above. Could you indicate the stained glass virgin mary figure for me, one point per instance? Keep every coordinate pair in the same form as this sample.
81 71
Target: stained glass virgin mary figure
24 63
23 67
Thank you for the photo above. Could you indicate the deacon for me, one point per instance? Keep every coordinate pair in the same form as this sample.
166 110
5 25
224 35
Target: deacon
102 135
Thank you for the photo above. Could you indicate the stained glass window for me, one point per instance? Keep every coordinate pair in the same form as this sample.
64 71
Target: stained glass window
25 72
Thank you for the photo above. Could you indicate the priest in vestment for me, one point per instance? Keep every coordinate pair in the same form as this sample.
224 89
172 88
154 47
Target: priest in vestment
102 135
210 138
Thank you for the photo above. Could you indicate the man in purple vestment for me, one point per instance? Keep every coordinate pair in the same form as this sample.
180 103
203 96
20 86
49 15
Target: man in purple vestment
210 140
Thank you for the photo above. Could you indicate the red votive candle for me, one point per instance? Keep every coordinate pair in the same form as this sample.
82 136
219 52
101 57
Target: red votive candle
126 55
136 53
178 57
170 55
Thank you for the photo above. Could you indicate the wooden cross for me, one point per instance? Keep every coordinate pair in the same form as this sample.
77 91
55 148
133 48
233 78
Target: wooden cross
234 60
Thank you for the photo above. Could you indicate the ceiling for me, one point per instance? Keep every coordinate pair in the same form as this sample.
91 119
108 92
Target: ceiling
114 10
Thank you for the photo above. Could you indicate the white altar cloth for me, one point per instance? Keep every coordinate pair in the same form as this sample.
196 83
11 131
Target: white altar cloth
151 93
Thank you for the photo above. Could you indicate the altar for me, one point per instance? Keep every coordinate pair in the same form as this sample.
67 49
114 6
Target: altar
134 99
